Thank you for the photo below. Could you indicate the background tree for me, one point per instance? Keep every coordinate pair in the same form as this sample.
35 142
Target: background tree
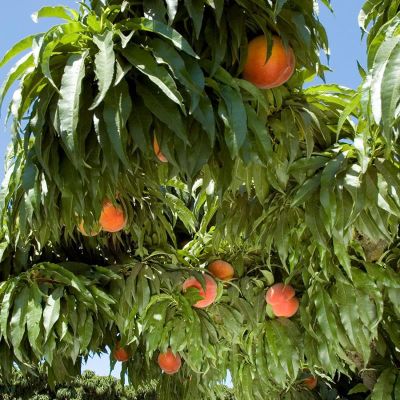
88 387
140 155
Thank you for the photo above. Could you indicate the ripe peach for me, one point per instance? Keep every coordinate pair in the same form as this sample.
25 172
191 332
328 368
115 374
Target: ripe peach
221 270
158 152
310 382
208 296
278 293
282 299
93 232
272 73
112 218
169 362
287 308
120 353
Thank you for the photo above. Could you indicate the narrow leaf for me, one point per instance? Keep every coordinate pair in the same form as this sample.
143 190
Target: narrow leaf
68 104
34 316
51 311
147 65
18 319
20 68
55 12
104 65
19 47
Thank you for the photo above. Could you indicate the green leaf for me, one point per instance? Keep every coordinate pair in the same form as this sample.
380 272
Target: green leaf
51 310
347 305
191 78
34 317
117 108
261 185
18 320
19 47
350 109
278 7
328 183
20 68
143 61
195 9
306 190
325 314
5 307
385 384
165 111
235 116
255 93
68 104
204 113
184 214
29 176
308 165
217 44
390 90
139 126
158 27
359 388
391 175
104 65
70 279
55 12
314 220
142 290
178 338
66 33
85 333
378 75
260 131
154 10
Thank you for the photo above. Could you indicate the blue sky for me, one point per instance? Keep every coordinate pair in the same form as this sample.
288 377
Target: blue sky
343 32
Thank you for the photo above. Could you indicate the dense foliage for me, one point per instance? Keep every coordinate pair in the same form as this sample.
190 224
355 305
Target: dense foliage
289 185
85 387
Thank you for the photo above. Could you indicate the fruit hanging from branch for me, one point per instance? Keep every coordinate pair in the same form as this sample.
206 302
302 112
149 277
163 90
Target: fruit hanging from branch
112 217
272 72
169 362
282 299
221 269
208 294
311 382
120 353
157 151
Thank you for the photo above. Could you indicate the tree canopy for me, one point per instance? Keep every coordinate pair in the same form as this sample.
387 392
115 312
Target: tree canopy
85 387
141 107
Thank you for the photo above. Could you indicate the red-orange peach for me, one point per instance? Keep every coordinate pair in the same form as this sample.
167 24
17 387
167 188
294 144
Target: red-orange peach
159 154
278 293
310 382
169 362
120 353
267 74
208 295
112 218
282 299
221 270
287 308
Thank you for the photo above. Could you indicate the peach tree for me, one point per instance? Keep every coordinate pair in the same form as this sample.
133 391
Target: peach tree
141 154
